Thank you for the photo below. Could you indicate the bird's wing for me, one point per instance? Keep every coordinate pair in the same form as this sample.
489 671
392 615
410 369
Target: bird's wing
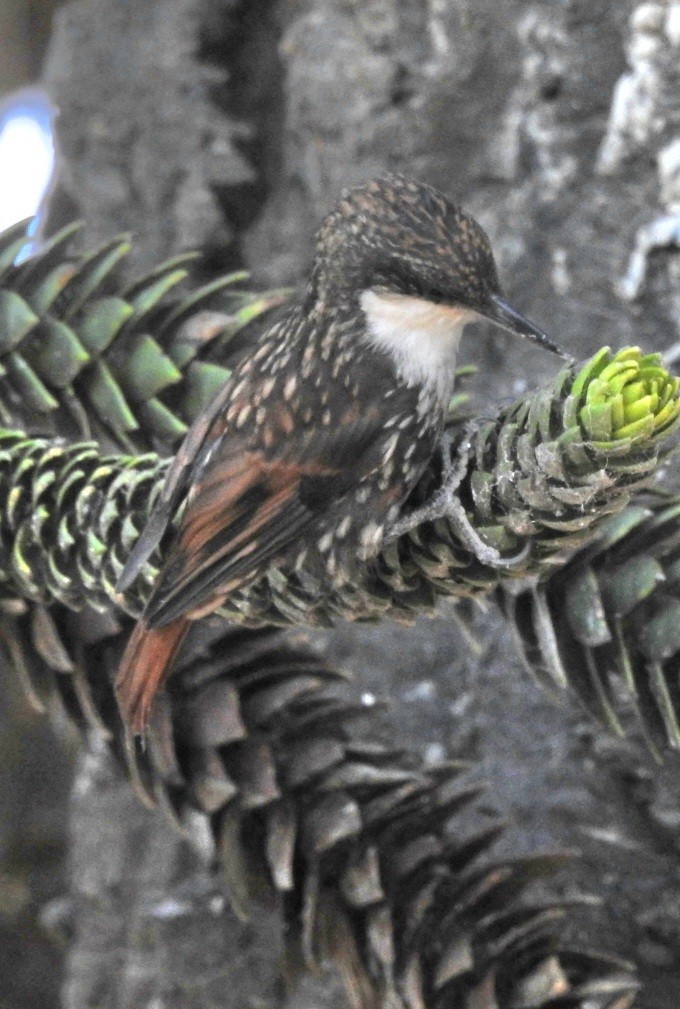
178 477
246 508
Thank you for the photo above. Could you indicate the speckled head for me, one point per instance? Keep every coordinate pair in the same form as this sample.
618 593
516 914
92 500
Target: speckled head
397 237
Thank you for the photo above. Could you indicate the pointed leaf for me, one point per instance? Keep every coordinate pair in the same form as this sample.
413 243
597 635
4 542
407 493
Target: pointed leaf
149 297
101 321
17 319
29 387
203 382
163 269
146 370
91 270
107 398
51 287
55 353
161 421
584 608
628 584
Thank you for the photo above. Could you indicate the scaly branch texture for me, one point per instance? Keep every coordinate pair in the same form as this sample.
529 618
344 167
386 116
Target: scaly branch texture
543 473
130 364
133 367
608 623
360 842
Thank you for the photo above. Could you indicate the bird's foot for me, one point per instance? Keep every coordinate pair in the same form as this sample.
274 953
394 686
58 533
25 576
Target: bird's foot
443 500
446 504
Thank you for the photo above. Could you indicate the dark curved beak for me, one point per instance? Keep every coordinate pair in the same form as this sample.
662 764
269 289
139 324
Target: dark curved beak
506 317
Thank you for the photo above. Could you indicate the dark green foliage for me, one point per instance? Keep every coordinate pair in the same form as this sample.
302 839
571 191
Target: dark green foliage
128 364
608 623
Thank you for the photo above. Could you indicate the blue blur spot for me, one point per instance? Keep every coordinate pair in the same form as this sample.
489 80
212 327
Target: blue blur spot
29 104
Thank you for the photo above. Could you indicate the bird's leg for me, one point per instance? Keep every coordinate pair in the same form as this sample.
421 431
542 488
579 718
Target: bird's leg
439 504
445 503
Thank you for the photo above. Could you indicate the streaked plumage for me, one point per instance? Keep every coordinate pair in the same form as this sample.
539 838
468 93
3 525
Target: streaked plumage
309 451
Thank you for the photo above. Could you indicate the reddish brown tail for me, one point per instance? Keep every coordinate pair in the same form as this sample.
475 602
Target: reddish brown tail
146 662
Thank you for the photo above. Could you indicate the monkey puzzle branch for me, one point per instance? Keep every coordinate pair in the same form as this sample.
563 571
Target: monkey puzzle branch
546 470
365 847
83 356
543 473
608 623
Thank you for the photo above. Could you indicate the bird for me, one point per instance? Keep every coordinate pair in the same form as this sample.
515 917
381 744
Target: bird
308 452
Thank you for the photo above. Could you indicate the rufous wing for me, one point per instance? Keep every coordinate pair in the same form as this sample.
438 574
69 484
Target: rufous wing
244 511
232 531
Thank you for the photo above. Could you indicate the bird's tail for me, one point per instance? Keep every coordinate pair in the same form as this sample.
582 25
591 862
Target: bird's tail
146 662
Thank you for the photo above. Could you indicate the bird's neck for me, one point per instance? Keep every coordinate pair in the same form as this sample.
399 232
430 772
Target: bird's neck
421 338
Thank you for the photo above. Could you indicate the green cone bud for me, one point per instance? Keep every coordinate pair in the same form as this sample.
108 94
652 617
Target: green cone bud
626 396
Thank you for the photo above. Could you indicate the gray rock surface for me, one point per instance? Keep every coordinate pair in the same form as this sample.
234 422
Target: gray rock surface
232 125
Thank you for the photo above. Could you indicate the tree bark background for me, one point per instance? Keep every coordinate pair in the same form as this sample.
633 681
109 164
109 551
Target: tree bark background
231 125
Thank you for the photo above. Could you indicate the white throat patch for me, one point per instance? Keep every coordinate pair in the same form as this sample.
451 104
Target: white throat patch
420 336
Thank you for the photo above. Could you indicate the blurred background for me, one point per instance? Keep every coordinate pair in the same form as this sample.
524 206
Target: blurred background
36 760
26 114
231 126
24 31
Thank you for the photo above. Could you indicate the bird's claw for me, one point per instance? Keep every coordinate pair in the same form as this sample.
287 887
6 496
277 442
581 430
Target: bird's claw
444 498
445 504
